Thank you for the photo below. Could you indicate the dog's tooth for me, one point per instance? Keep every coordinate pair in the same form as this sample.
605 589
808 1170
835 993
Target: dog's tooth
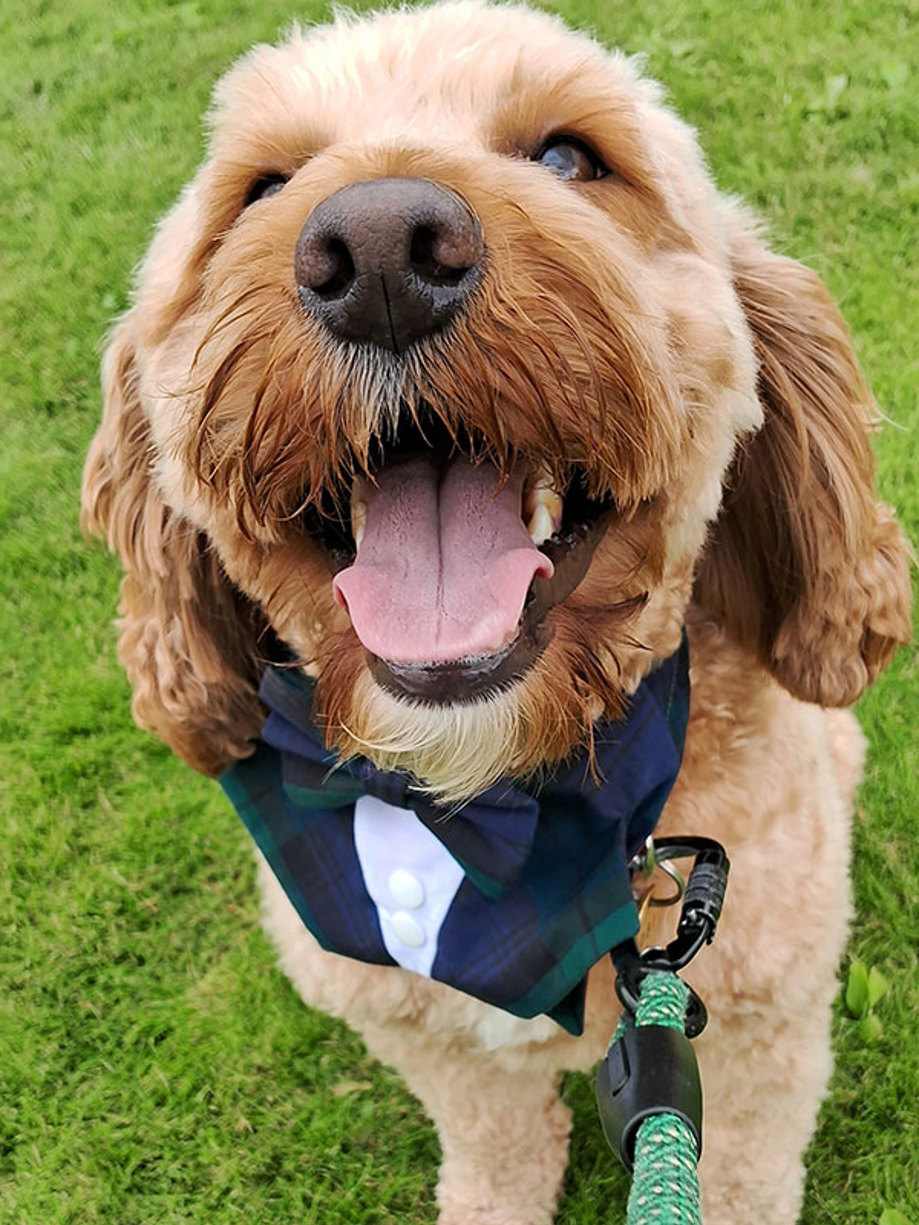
539 492
358 520
542 510
542 524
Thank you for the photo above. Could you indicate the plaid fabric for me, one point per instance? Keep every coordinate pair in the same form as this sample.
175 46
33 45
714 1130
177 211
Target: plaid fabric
546 891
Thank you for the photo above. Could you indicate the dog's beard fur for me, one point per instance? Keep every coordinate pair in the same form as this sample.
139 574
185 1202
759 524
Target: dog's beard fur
454 751
617 330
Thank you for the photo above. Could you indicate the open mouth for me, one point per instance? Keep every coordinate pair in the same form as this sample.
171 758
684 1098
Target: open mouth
448 568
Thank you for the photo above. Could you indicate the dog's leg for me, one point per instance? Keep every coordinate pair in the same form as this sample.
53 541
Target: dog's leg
764 1080
769 982
502 1129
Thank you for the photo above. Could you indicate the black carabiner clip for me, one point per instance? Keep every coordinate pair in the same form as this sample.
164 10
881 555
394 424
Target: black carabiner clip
699 914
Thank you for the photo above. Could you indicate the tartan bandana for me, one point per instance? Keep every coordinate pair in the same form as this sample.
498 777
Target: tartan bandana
512 897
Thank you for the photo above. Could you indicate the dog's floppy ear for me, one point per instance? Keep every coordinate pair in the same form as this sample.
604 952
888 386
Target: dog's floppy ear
188 638
804 566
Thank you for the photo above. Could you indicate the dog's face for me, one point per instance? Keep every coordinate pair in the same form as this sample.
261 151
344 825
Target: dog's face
436 371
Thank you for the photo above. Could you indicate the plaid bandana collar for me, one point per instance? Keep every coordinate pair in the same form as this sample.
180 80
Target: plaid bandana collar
512 897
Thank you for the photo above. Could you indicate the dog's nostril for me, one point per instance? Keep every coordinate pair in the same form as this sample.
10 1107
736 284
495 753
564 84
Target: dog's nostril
325 267
340 271
443 258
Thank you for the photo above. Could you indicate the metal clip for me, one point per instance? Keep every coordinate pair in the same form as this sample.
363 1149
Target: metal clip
701 909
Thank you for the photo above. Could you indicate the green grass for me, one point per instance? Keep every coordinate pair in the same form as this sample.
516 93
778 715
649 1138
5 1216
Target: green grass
154 1065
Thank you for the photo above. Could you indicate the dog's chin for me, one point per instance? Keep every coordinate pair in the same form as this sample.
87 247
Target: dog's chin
455 750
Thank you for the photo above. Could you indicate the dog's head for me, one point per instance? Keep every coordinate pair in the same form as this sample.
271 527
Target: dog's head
452 371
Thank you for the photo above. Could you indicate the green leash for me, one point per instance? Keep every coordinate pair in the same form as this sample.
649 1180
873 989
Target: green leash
665 1179
649 1093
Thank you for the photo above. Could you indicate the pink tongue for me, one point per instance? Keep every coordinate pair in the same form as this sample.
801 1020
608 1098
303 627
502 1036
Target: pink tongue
445 563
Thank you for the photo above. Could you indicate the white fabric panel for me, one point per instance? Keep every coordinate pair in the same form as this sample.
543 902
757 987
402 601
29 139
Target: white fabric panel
392 846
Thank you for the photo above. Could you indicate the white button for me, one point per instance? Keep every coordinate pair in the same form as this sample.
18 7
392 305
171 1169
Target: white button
408 930
406 889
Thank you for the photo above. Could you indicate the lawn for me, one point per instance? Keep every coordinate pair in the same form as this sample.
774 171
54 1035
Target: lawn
154 1065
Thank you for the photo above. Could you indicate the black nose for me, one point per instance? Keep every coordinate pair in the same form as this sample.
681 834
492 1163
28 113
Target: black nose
388 260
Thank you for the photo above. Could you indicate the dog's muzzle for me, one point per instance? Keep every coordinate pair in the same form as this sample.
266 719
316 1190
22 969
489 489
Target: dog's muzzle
388 261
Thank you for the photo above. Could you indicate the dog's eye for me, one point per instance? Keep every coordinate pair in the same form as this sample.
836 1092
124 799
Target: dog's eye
265 185
571 160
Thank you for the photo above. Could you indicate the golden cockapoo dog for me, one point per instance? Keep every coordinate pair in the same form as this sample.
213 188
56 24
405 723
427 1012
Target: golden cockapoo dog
466 244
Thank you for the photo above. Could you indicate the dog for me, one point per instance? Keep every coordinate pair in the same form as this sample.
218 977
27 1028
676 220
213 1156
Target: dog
456 399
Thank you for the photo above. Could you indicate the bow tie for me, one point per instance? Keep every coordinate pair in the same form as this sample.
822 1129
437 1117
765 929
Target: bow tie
492 835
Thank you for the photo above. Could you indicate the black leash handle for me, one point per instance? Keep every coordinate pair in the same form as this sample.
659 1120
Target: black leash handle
648 1070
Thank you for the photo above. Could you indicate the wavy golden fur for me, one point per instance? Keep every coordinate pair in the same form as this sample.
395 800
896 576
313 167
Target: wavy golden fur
636 327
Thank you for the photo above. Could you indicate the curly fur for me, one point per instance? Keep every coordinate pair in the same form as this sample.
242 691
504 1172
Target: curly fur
636 326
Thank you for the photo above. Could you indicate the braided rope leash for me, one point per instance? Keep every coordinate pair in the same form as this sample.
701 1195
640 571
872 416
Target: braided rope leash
665 1181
